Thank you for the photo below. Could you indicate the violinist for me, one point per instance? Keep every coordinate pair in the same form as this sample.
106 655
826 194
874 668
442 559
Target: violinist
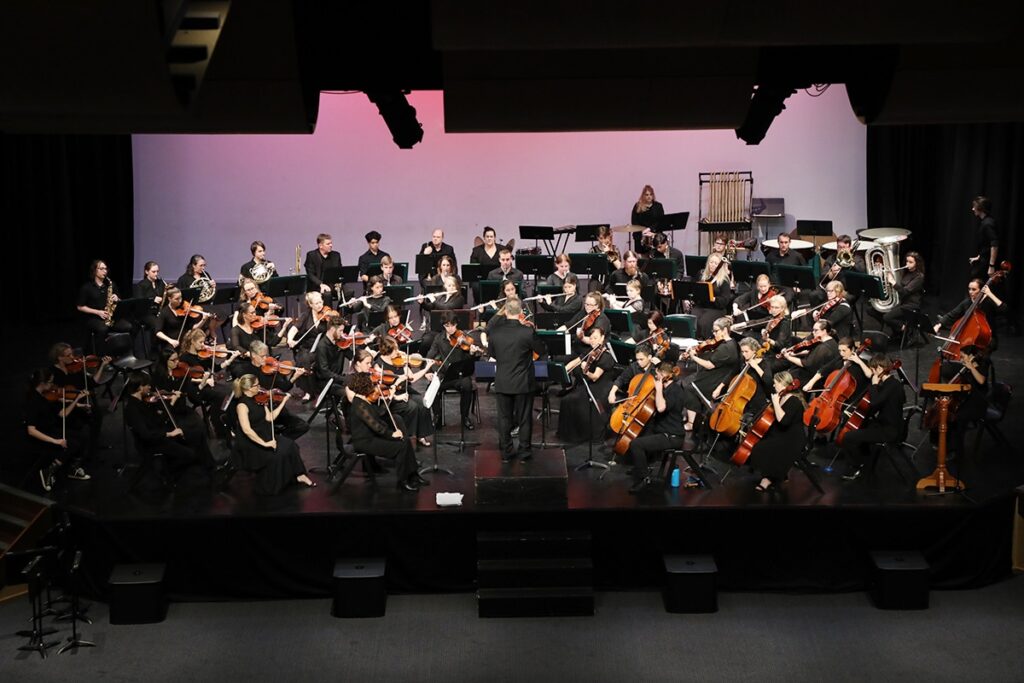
605 246
454 347
884 420
378 433
195 276
989 304
373 254
175 376
393 327
330 359
578 419
362 362
665 431
629 271
714 367
653 334
304 334
397 377
774 454
505 269
437 248
387 272
760 370
274 457
910 290
823 356
258 269
512 345
779 329
267 370
570 303
592 317
648 212
176 319
97 300
52 442
837 309
753 305
664 250
719 274
69 371
153 288
318 262
643 356
146 412
245 332
250 292
563 264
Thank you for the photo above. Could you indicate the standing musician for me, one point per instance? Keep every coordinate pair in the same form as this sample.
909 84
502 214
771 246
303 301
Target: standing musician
719 274
647 212
784 255
287 423
716 368
318 261
910 289
260 448
304 334
174 320
605 246
569 303
666 429
373 254
822 358
387 272
153 288
330 359
452 345
195 276
563 264
578 419
378 433
437 248
664 250
774 454
644 360
505 269
52 441
884 420
97 300
628 271
753 305
410 408
989 306
983 263
258 268
68 373
487 254
512 345
591 317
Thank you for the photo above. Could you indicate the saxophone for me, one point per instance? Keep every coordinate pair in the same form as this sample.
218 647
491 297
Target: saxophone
111 304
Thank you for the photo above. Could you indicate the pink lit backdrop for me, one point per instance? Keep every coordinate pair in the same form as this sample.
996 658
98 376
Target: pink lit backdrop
215 194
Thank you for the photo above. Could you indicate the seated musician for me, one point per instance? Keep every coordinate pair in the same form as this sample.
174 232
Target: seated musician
195 276
505 269
170 374
153 288
70 371
375 301
583 323
303 334
562 266
373 254
606 246
451 299
633 301
823 356
972 368
760 370
445 268
578 420
437 248
569 303
664 431
719 274
837 310
392 327
989 305
258 269
784 255
753 305
416 416
492 310
644 361
778 331
884 420
835 272
210 392
146 414
774 454
249 292
714 367
654 333
910 290
259 447
387 272
330 358
378 434
53 443
245 332
172 323
289 424
849 354
662 249
628 271
445 347
95 300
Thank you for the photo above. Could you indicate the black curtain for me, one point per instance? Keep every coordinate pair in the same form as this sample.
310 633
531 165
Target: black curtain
66 200
924 177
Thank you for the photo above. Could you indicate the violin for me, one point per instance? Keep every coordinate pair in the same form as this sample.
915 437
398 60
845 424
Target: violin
155 396
401 333
354 339
379 376
824 309
825 412
190 310
660 343
799 346
415 360
589 321
728 414
760 427
706 345
183 370
213 351
78 364
267 321
68 393
525 321
262 302
264 396
462 340
272 365
592 357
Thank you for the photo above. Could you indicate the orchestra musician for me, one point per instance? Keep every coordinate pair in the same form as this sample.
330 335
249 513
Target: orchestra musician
379 433
774 454
445 268
753 304
373 254
493 312
590 317
664 250
835 271
983 263
633 301
628 271
195 276
94 302
784 255
761 371
989 306
487 254
644 359
304 334
822 358
258 268
387 272
505 269
665 430
720 364
855 365
648 212
249 292
65 374
151 287
971 368
719 274
512 345
446 346
884 420
578 420
778 331
604 245
249 329
837 309
330 359
452 299
53 443
392 321
171 324
200 391
374 301
286 422
910 289
437 248
419 426
563 264
274 457
320 260
569 303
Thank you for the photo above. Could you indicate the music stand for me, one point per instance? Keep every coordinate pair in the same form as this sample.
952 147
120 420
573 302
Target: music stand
191 294
538 233
864 286
671 222
748 271
537 265
594 266
661 268
549 320
463 368
426 264
227 294
398 294
700 293
133 309
474 272
694 264
621 320
801 277
327 402
557 344
588 233
284 287
589 462
916 320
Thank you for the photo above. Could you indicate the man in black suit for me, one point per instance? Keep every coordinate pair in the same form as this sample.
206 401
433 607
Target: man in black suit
319 260
437 248
512 345
505 269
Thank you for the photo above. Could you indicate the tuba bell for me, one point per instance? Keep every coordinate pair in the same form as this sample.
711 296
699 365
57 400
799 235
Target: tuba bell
883 259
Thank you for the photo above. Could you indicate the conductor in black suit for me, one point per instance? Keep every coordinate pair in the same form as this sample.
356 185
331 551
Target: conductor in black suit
511 345
319 260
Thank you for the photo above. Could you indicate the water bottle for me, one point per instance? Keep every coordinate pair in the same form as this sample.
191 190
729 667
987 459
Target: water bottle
675 478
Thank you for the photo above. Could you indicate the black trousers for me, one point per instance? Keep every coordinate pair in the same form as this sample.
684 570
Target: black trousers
464 385
857 444
399 450
515 409
643 447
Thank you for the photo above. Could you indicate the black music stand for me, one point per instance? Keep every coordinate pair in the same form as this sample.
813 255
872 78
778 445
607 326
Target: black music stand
327 401
748 271
133 309
537 265
661 268
588 232
864 286
549 320
474 272
589 462
694 264
426 264
916 320
700 293
549 289
554 343
538 233
594 266
463 368
191 294
490 290
671 222
621 320
795 277
464 317
228 295
398 294
284 287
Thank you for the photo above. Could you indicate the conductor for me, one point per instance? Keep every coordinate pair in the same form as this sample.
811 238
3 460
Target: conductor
511 345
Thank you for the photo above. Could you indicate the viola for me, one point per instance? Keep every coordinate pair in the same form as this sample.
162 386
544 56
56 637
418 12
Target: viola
79 363
378 376
190 310
262 302
728 414
589 321
660 342
706 345
214 351
760 427
272 365
154 396
462 340
799 346
972 330
825 412
68 393
264 396
401 333
592 357
183 369
860 411
355 339
266 321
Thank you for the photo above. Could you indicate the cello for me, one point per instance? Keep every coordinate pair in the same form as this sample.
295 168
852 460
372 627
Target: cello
856 417
728 414
760 427
631 416
825 411
971 330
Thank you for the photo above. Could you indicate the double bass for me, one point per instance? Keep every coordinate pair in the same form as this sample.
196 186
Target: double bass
728 414
760 427
825 411
971 330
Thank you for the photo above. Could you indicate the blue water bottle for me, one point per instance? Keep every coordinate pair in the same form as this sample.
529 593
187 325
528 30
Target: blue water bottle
675 478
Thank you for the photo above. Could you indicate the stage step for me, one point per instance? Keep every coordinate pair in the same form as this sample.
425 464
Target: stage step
551 601
532 544
24 519
532 573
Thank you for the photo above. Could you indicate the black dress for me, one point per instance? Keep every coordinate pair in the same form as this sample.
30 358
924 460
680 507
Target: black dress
649 219
408 406
773 455
578 421
276 469
371 434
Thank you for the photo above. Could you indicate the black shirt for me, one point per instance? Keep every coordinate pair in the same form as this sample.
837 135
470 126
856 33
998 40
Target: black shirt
887 404
910 288
368 258
823 358
986 238
792 258
512 275
171 324
841 319
673 255
246 270
317 263
437 252
620 276
602 322
479 255
95 296
329 362
145 289
148 421
43 415
649 219
671 420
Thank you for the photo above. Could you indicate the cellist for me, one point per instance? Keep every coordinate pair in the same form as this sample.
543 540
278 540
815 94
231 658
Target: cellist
884 420
760 371
774 454
664 431
644 356
989 305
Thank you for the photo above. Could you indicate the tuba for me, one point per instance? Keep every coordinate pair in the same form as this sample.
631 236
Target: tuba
882 259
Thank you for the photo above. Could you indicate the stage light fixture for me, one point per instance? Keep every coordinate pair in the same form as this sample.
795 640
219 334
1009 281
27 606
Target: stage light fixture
767 102
399 115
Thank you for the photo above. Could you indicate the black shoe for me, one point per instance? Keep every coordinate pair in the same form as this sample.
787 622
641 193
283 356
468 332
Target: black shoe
639 486
468 423
853 475
408 485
